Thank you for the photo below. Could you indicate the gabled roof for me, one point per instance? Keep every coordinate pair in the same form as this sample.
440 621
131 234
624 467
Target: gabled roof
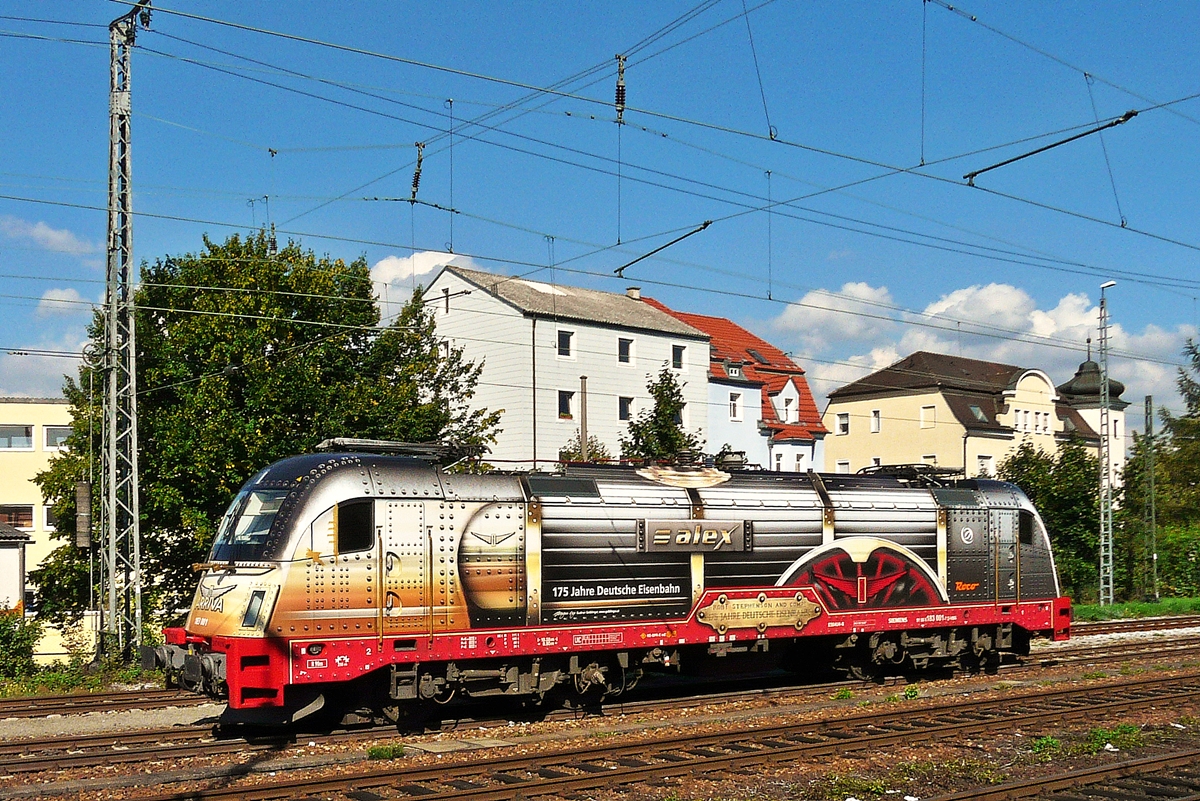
731 341
924 370
538 299
761 363
10 534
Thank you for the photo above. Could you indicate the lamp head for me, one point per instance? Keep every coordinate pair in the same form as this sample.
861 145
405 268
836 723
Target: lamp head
1108 284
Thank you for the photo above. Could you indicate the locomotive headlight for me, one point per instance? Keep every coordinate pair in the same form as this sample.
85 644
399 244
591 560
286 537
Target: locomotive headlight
315 649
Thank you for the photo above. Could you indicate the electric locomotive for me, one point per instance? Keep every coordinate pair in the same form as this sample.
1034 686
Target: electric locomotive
379 582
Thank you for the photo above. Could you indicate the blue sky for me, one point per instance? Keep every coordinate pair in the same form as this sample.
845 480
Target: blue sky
908 258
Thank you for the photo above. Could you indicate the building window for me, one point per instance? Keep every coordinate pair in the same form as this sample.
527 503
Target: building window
876 461
16 438
930 458
978 414
1025 420
677 352
624 408
49 517
56 437
799 462
789 411
1037 422
17 515
680 418
928 416
985 465
779 463
565 401
735 406
843 467
876 421
734 371
625 351
843 423
564 344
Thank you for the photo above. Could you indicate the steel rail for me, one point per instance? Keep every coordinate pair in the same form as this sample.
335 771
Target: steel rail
1087 777
592 767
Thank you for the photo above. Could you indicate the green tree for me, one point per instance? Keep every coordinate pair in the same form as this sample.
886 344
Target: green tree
1064 487
18 638
658 433
246 356
572 452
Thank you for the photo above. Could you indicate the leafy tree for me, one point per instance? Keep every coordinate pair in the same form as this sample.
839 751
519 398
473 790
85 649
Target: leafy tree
18 638
1064 488
658 433
244 357
597 450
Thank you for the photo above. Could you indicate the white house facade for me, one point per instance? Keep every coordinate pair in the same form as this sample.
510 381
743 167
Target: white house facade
537 340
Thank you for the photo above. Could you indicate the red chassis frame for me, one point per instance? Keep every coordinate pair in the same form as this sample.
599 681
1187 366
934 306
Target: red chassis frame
258 668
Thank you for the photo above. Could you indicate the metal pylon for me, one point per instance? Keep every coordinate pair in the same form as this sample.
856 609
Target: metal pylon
1106 523
122 564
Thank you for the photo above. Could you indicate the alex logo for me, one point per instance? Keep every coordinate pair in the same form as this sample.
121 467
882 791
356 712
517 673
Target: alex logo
693 535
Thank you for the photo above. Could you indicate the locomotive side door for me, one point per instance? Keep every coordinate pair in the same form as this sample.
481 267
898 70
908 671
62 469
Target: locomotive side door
404 600
968 555
1005 554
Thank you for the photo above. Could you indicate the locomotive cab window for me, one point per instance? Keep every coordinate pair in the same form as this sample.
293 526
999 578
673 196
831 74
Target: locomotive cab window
1025 527
244 531
355 526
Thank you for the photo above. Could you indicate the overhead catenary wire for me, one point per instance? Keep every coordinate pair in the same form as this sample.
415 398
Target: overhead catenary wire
730 293
1087 79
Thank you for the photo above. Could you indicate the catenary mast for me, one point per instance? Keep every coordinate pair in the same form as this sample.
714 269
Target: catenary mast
121 565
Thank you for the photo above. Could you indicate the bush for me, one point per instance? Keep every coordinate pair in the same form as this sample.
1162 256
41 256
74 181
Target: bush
18 637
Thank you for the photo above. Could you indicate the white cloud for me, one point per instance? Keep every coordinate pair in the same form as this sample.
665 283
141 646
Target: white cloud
394 275
56 239
853 314
964 318
26 373
61 301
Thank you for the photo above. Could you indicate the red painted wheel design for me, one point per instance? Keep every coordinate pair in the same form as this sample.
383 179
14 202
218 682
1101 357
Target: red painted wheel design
887 578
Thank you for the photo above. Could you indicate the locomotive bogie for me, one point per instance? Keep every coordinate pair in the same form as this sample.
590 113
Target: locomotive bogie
416 586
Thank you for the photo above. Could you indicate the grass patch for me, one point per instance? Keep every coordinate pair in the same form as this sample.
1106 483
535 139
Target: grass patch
912 691
1123 736
1046 746
899 780
1096 674
843 694
61 679
1164 608
390 751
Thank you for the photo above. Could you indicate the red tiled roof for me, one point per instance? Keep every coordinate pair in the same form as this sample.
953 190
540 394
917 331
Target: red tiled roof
762 363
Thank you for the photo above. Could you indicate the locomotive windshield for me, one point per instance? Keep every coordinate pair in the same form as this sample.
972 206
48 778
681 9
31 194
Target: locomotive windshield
242 536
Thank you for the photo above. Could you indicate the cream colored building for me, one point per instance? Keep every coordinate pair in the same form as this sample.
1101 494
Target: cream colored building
949 411
32 431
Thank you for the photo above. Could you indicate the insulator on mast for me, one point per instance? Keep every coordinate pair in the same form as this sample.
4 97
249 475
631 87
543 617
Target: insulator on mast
620 101
417 172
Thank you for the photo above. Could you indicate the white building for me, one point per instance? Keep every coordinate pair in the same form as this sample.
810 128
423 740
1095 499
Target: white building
759 401
536 340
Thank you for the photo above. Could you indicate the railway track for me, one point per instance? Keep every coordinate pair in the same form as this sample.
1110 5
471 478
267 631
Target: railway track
1169 776
1134 624
179 742
603 766
81 703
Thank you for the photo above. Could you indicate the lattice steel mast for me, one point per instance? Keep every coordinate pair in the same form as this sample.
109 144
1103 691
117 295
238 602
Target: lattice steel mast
121 572
1106 523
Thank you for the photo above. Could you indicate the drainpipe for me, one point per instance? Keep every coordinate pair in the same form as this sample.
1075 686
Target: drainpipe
583 435
533 383
966 434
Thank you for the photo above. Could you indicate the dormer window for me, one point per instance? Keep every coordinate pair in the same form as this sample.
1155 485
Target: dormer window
733 369
977 412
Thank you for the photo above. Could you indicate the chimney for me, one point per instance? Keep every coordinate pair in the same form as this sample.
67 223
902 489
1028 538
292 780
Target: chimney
634 292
